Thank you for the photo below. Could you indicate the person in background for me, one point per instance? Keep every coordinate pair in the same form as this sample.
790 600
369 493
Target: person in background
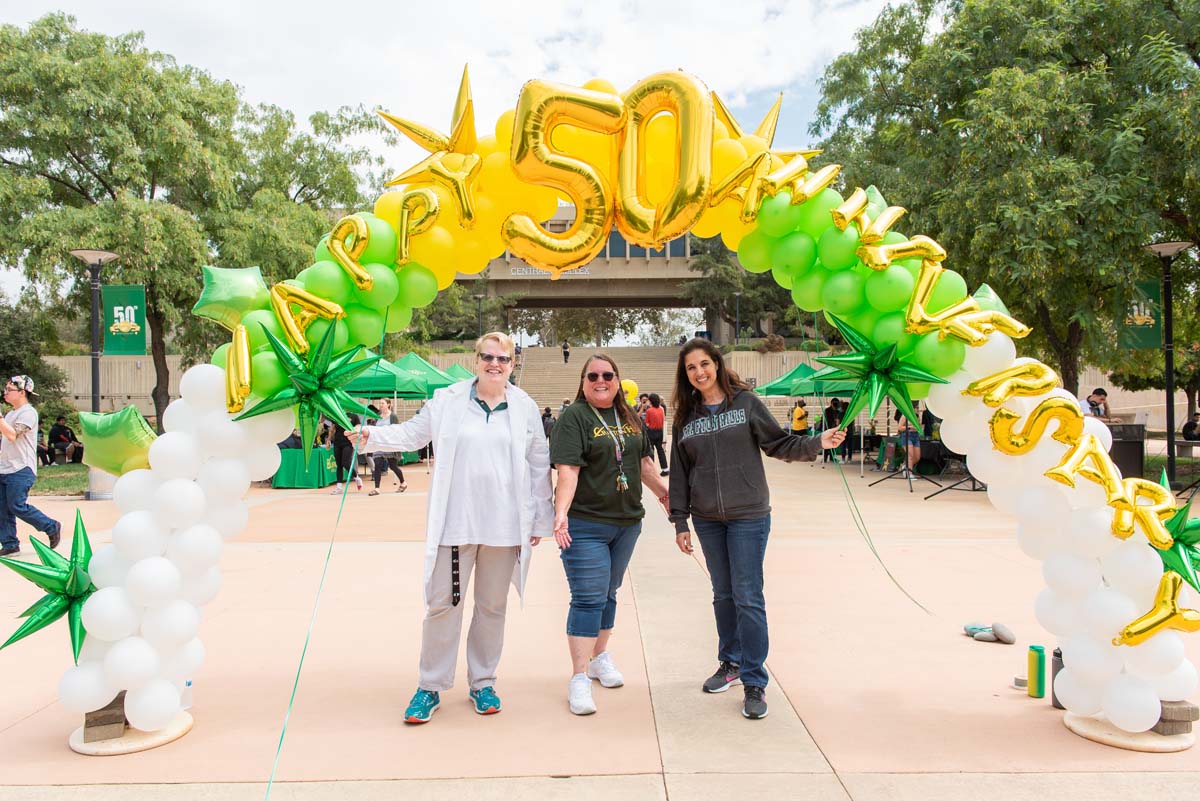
63 440
1191 429
928 421
719 433
43 452
566 351
800 418
654 421
1096 405
343 454
832 418
566 402
643 404
383 461
547 421
292 440
18 468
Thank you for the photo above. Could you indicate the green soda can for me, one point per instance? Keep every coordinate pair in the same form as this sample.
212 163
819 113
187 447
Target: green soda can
1037 671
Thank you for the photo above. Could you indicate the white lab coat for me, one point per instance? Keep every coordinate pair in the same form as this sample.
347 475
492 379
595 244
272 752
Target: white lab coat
438 422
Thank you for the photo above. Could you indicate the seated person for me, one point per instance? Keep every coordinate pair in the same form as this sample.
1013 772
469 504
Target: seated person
63 440
1191 429
43 451
909 439
1096 405
293 440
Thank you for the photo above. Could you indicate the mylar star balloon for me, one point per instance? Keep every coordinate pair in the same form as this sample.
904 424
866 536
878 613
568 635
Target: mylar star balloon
230 293
116 442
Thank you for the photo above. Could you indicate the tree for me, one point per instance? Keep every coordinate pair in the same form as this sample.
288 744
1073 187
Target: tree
1041 142
597 326
722 277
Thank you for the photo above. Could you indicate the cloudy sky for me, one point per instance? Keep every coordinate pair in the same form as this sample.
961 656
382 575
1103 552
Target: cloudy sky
407 57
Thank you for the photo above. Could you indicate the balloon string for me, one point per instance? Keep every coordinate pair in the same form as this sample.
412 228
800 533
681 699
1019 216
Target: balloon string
312 621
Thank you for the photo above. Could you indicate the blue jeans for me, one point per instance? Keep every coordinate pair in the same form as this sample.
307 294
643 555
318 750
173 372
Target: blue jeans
595 565
14 491
734 551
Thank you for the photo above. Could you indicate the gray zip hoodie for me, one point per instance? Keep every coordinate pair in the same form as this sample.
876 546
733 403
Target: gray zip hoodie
716 469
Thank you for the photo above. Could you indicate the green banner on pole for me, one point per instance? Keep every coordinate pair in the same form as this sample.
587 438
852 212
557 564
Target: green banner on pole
124 319
1142 327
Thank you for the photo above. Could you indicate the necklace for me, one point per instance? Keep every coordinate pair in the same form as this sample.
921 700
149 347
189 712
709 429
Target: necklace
618 439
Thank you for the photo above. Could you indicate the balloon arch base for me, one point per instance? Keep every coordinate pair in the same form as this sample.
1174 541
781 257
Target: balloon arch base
133 740
1099 730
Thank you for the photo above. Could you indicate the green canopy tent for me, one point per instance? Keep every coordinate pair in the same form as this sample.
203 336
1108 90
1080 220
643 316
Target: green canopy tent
458 372
385 380
783 384
809 387
413 364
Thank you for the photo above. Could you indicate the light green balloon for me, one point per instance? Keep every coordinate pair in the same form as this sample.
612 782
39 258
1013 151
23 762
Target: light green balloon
814 213
418 285
220 354
397 318
837 249
949 289
327 279
782 276
316 329
889 330
754 251
796 253
843 292
254 322
321 251
777 216
365 326
383 292
267 375
940 358
890 289
807 289
381 247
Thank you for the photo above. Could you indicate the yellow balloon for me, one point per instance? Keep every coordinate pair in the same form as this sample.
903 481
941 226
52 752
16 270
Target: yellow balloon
719 131
630 388
753 144
445 275
432 248
488 221
504 130
732 233
496 178
486 146
601 85
728 155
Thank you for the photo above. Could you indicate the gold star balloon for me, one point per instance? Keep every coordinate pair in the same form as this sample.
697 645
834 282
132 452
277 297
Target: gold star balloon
453 162
67 585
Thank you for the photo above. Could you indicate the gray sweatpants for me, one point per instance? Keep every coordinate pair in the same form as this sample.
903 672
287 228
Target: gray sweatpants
442 630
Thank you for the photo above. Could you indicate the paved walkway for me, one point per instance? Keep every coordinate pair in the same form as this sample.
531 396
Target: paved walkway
871 698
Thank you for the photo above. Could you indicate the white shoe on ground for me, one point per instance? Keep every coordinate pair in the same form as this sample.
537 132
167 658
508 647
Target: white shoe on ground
601 668
579 695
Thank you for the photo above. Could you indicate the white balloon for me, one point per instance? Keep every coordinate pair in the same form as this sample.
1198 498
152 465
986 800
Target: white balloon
1040 503
1130 703
138 535
1085 494
1134 569
108 614
1057 615
134 491
220 437
169 626
1090 532
84 689
153 706
196 548
182 663
229 518
1093 426
94 650
179 416
958 433
1046 454
1037 542
130 663
1005 496
946 400
1071 576
154 580
201 588
1158 656
1106 612
1178 685
203 387
179 503
262 462
1076 696
108 567
224 480
1093 661
175 454
987 464
994 355
270 428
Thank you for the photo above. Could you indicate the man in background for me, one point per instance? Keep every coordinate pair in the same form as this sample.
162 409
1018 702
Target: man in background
18 468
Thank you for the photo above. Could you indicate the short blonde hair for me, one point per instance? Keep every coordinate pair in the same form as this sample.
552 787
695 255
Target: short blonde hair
500 338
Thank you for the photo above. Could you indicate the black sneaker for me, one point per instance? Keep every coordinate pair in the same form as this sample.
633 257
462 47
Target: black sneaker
755 705
11 550
56 535
727 675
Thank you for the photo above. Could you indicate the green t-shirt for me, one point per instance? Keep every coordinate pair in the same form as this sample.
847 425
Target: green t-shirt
579 439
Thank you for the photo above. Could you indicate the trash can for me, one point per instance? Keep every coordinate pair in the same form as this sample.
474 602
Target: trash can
1129 448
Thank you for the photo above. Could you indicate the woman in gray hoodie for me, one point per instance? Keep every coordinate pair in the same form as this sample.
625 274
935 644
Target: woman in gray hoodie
721 429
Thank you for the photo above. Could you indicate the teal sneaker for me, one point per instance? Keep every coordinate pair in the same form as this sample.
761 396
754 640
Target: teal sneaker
486 701
421 707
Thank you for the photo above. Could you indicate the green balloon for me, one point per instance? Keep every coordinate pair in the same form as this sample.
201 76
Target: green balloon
381 247
754 251
919 391
912 265
418 285
796 253
321 251
219 355
836 249
949 289
894 238
777 216
843 292
327 279
814 213
317 328
988 299
365 326
940 358
782 276
889 330
267 375
398 317
806 290
863 318
254 322
116 442
383 292
890 289
230 293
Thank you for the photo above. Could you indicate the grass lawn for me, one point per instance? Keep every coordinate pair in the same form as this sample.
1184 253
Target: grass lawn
1186 469
64 479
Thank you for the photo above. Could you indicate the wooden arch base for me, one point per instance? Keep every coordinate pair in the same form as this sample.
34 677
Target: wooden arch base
1099 730
133 740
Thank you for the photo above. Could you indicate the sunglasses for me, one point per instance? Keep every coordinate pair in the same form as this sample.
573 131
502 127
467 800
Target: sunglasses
491 357
594 377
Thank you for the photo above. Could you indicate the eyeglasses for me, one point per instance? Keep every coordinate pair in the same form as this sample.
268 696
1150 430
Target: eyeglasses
594 377
491 357
9 389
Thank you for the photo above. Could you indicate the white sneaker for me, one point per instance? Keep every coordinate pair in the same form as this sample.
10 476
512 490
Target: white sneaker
579 695
602 668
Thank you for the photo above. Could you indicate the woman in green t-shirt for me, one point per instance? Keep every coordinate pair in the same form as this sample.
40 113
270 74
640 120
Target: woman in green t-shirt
602 456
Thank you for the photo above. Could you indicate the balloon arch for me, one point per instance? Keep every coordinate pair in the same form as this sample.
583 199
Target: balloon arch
658 161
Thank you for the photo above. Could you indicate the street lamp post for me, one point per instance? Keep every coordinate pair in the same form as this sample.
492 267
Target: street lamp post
479 312
737 316
95 259
1166 252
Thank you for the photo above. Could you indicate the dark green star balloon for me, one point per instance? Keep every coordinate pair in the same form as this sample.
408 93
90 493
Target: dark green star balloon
231 293
879 371
67 585
316 386
1183 555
